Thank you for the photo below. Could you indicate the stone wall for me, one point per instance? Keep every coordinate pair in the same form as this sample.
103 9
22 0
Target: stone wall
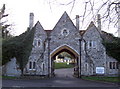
11 68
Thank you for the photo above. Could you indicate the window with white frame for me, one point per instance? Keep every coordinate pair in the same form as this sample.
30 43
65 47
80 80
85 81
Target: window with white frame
37 42
92 44
83 45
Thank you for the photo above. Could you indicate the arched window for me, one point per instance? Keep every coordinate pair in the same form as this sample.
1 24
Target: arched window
34 65
39 42
30 65
43 66
110 64
86 67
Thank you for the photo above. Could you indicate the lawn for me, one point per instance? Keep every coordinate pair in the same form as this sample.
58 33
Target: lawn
63 65
105 79
8 77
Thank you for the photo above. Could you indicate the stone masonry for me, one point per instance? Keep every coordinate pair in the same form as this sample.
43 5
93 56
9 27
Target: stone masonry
66 37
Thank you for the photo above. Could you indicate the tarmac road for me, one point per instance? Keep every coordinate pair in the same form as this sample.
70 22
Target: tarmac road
62 80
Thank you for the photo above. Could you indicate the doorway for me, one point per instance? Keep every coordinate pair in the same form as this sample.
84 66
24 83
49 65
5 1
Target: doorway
64 62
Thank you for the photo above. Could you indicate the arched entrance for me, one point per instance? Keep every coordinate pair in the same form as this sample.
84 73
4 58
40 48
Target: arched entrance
70 51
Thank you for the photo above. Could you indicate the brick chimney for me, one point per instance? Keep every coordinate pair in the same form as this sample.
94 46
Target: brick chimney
31 20
77 22
99 22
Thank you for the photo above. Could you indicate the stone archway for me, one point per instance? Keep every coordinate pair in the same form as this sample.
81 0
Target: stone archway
71 51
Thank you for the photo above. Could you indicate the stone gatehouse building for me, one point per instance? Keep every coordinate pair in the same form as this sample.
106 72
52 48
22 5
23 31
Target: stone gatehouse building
84 45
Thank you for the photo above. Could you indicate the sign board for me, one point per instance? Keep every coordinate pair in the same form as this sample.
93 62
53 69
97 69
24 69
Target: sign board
100 70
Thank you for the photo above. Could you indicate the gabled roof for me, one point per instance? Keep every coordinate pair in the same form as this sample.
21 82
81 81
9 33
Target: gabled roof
64 18
38 24
82 32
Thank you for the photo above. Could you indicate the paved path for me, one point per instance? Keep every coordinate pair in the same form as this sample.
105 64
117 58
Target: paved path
59 81
68 72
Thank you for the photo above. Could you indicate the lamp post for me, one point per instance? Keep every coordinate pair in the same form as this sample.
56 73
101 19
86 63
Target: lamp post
80 58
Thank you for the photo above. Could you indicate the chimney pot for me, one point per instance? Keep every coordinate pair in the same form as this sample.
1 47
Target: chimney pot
77 22
99 22
31 20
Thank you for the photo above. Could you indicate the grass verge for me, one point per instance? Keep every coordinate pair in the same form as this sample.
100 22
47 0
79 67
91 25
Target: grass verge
8 77
105 79
63 65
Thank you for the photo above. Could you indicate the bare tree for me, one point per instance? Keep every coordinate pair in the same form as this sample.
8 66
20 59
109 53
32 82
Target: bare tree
3 26
90 8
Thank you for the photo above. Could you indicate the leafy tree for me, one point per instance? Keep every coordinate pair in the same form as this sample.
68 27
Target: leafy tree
113 48
19 47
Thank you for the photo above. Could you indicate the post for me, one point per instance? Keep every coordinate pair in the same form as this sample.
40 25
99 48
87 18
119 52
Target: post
80 58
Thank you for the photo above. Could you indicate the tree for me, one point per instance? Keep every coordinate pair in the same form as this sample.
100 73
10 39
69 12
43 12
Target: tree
18 47
113 48
4 27
109 10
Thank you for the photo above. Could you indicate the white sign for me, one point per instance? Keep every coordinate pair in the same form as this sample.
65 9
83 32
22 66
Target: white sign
100 70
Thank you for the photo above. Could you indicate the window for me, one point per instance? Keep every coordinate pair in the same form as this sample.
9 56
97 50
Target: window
110 63
94 44
83 45
34 64
90 44
113 65
37 42
30 65
86 67
43 66
117 65
65 32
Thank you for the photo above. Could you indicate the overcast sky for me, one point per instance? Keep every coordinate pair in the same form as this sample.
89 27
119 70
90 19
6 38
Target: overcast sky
48 13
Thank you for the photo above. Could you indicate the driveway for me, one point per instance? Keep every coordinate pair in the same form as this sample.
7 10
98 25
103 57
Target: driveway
62 79
67 72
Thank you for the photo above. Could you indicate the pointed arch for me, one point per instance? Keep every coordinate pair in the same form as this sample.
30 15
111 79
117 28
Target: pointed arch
66 48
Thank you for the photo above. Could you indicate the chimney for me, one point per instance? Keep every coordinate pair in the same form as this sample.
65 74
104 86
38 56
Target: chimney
31 20
99 22
77 22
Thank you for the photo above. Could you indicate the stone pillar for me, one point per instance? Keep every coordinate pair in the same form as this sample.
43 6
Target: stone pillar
31 20
99 22
77 22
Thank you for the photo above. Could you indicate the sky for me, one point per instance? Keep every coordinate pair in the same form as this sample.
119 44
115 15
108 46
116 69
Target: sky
48 12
